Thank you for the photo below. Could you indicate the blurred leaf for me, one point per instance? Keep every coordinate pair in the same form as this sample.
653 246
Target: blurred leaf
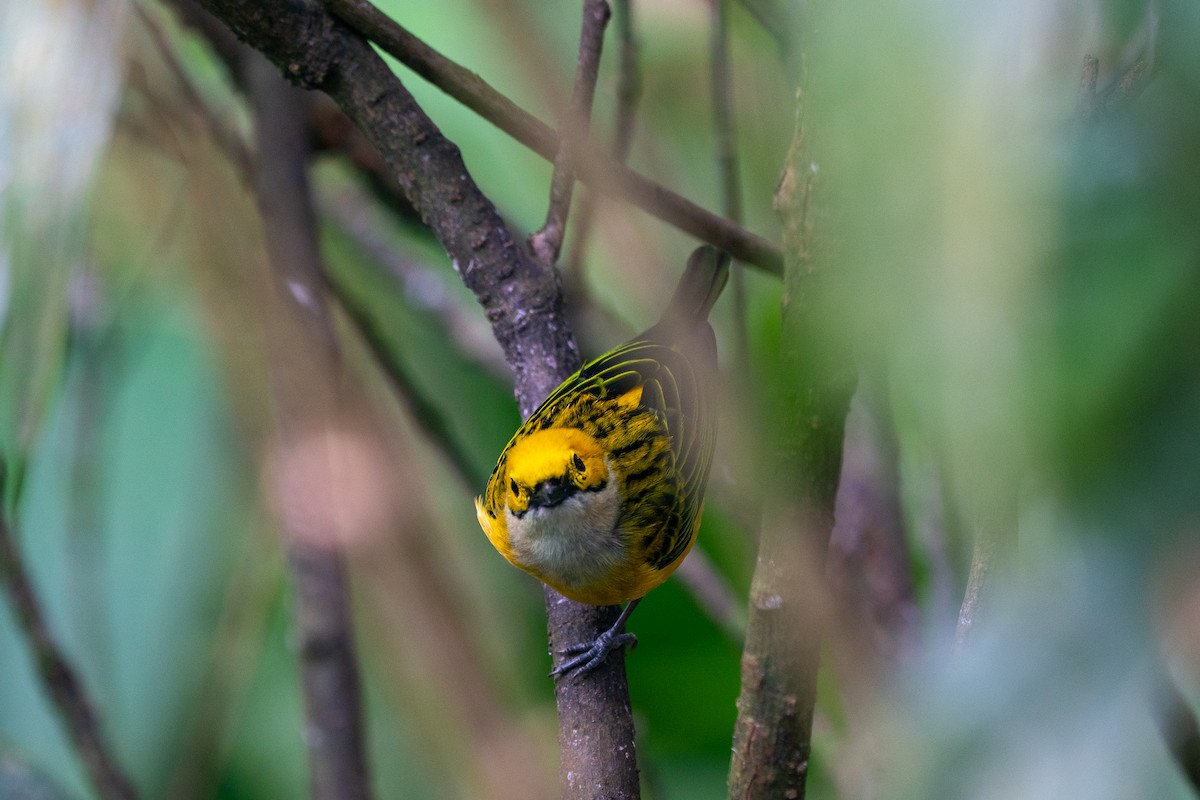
59 82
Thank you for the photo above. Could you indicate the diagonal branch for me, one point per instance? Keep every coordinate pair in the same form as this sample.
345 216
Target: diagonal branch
58 676
598 170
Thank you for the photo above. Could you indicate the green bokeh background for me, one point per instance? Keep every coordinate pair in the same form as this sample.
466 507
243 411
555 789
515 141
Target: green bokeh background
1027 283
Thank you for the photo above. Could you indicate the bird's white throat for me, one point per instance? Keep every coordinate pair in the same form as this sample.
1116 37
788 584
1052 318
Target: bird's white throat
573 542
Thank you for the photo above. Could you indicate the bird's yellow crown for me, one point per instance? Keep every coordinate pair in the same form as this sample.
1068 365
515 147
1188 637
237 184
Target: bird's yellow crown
548 466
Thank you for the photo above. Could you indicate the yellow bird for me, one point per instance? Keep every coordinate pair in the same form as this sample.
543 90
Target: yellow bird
599 493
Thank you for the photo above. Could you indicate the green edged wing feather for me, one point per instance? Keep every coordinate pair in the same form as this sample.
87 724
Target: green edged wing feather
674 363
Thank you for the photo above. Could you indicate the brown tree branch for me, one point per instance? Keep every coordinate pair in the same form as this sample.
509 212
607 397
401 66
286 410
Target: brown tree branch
547 242
596 169
329 672
58 675
519 296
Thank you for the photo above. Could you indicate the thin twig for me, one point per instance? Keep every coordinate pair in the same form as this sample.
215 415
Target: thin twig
428 415
58 675
594 168
547 242
724 118
225 135
334 728
629 90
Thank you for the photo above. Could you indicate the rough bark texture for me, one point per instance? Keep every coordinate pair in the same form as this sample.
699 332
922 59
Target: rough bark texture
595 721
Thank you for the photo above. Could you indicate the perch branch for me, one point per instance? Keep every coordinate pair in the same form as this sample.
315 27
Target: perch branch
520 298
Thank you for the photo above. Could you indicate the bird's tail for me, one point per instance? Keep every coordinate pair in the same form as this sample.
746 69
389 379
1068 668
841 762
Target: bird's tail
703 279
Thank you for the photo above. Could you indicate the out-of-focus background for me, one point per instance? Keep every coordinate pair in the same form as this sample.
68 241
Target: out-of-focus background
1018 257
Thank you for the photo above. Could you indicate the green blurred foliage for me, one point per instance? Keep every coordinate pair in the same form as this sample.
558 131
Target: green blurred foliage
1027 281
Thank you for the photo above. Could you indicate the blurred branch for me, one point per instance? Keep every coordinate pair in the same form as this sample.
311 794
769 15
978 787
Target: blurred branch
993 523
333 727
424 286
1132 78
222 132
980 583
547 242
57 674
1177 721
594 168
869 573
772 739
333 132
20 781
774 17
724 124
629 81
1086 105
427 414
713 594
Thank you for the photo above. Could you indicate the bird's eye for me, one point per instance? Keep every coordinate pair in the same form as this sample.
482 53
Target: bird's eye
512 484
577 462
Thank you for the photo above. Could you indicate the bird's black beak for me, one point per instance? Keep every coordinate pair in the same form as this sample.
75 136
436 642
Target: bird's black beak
548 494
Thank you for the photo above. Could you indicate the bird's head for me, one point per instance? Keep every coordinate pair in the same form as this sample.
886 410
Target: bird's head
549 466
